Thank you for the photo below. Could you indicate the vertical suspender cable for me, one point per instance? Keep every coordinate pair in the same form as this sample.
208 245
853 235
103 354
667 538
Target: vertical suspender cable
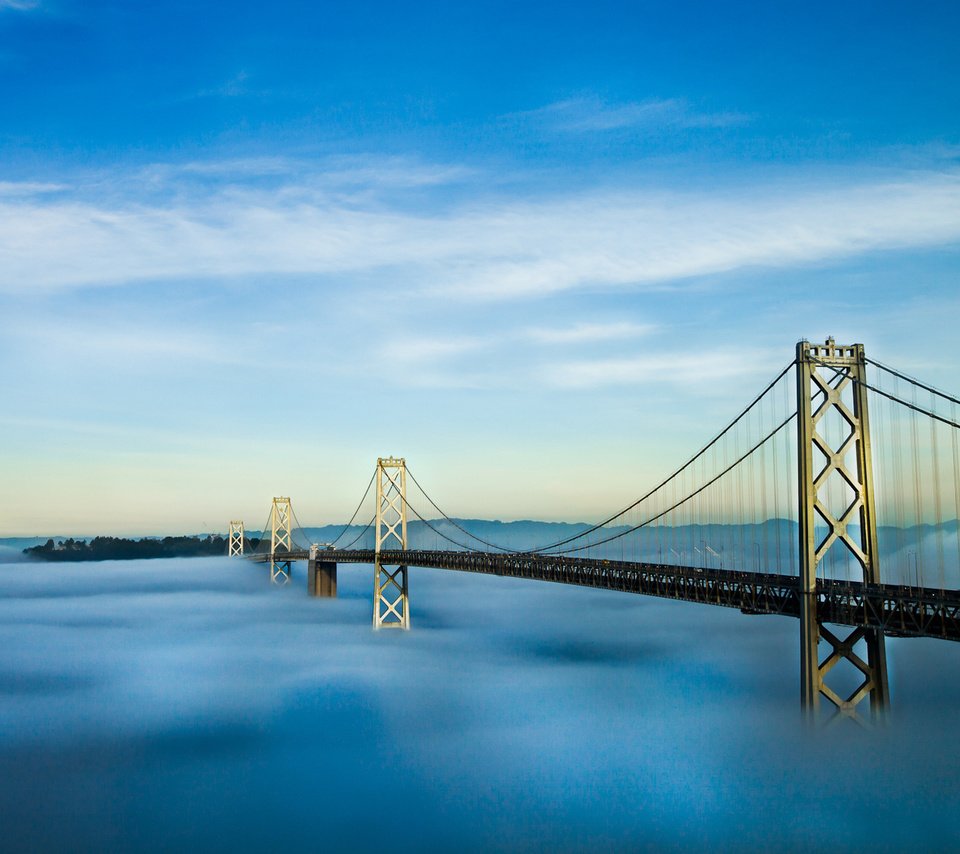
937 501
917 507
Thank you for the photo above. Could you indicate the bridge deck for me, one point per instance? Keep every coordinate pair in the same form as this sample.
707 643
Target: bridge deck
895 609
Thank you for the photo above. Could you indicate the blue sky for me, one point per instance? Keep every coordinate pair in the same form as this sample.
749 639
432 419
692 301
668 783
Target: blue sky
541 250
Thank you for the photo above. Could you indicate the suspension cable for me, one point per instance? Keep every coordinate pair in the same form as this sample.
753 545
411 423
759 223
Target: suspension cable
297 520
915 382
696 492
439 533
355 512
435 530
896 399
263 531
453 522
363 530
682 468
908 405
589 530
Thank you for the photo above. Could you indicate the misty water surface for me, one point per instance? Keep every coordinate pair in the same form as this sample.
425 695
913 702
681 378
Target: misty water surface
164 705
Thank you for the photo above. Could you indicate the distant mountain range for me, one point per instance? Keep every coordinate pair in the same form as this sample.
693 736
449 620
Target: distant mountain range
765 543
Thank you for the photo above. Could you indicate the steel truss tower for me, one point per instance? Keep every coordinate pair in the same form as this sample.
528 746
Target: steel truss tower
281 540
836 497
236 539
391 603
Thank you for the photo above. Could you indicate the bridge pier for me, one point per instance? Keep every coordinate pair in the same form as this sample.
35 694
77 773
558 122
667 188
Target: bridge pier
321 576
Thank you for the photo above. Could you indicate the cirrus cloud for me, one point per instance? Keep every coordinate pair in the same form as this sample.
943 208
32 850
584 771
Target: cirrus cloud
505 248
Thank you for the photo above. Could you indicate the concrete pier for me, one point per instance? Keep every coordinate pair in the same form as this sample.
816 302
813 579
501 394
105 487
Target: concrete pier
321 575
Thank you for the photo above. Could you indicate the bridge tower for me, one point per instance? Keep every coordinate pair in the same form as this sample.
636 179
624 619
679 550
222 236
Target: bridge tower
281 540
235 539
391 603
836 496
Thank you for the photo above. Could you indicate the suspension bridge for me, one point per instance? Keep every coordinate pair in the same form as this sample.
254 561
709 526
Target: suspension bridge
832 497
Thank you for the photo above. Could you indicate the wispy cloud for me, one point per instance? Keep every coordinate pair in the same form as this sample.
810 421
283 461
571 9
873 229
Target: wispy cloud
425 347
421 348
126 350
509 360
665 367
501 357
28 188
592 114
19 5
504 248
304 179
589 332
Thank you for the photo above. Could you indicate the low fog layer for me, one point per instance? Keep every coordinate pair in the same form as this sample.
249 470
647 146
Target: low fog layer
186 703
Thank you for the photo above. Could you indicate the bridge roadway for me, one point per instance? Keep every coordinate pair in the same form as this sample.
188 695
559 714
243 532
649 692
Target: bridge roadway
897 610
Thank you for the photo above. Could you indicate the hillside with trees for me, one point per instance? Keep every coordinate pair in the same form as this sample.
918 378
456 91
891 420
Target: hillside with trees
118 548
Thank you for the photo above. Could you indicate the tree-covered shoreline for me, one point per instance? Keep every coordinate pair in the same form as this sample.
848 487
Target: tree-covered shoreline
119 548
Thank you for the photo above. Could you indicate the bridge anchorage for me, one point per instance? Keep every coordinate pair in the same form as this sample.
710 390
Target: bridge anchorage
832 386
281 540
391 601
321 572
